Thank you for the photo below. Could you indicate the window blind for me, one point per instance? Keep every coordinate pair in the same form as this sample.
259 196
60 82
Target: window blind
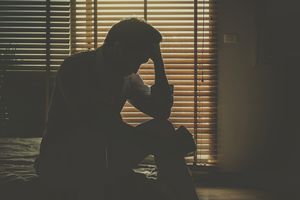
189 52
37 30
41 35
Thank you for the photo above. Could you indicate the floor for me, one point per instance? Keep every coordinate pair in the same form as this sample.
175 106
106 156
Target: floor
223 193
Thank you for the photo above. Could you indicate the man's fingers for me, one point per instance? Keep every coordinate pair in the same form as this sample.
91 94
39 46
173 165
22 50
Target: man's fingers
156 53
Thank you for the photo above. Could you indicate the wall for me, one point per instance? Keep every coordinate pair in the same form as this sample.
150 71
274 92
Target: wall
257 127
24 96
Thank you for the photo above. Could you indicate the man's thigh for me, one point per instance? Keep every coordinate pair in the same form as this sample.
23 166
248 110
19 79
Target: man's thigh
137 187
132 147
128 150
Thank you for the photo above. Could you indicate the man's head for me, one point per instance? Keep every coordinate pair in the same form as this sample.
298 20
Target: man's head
130 42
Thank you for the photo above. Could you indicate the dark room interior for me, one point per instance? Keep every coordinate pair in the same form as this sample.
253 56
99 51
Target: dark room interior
234 65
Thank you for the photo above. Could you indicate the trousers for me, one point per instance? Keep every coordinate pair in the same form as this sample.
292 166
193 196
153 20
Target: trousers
168 145
80 171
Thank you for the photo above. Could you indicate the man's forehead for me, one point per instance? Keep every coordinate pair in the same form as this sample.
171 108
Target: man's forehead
136 46
141 51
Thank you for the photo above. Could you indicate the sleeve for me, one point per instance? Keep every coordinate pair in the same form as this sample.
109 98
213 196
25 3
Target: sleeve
84 100
155 101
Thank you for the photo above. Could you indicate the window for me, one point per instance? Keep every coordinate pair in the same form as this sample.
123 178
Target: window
181 25
34 38
44 32
37 31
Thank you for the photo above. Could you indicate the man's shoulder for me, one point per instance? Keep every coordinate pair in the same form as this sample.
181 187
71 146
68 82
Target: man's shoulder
78 60
81 57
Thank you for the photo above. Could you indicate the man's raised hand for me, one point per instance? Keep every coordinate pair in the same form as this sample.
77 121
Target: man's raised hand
156 56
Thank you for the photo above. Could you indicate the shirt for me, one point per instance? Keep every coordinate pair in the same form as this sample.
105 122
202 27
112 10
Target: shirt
87 102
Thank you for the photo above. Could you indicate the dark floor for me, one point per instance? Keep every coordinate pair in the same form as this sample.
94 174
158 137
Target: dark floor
230 193
218 186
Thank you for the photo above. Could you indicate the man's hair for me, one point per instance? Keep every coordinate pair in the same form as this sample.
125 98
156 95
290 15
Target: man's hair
133 33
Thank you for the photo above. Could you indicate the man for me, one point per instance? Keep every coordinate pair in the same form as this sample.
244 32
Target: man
88 147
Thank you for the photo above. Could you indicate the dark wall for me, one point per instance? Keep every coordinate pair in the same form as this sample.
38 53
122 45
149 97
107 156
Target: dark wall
258 103
24 96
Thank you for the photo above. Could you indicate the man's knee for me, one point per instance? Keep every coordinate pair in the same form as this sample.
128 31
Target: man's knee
160 126
156 135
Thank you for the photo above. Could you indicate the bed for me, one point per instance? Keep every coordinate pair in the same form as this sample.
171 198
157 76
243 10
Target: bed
17 156
17 172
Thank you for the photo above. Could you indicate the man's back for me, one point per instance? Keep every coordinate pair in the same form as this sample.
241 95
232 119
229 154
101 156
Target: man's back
61 119
71 135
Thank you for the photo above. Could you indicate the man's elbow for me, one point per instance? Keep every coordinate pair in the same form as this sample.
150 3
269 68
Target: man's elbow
162 114
163 110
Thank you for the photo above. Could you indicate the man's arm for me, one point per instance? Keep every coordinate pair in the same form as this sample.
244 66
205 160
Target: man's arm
158 102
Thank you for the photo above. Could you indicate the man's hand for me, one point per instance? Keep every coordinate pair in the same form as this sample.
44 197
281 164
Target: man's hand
160 74
156 56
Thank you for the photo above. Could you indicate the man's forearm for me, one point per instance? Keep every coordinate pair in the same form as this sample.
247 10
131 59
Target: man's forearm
161 92
160 74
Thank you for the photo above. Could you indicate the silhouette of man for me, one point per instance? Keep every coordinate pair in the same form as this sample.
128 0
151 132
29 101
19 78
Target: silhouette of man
87 146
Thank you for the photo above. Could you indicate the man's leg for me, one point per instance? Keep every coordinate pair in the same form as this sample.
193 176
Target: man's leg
169 157
156 137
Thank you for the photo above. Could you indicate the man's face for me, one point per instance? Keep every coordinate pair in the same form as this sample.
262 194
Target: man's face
134 59
129 61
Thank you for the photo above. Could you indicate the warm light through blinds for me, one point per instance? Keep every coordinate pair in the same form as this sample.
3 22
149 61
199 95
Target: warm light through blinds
188 63
176 21
189 50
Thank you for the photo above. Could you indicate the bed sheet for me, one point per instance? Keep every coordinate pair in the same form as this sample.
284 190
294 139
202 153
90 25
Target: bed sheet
17 157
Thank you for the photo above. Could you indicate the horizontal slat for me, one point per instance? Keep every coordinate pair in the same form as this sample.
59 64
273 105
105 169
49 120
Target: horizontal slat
31 35
184 99
40 51
173 114
162 29
31 8
140 6
188 105
131 113
154 23
186 41
38 46
148 2
179 66
113 20
181 115
179 78
29 19
179 120
36 56
36 62
33 3
102 35
37 14
209 114
29 40
176 50
31 30
179 71
211 2
178 45
127 13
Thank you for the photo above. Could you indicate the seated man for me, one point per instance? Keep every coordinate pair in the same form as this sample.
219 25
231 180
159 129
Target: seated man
88 147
